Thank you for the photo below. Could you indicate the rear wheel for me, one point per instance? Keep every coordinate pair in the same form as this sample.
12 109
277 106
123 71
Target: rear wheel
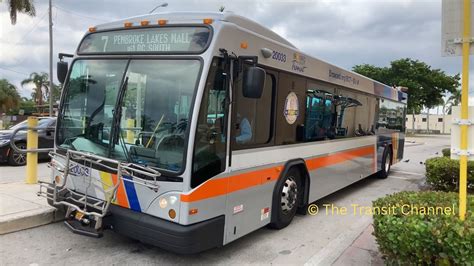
386 163
16 158
286 199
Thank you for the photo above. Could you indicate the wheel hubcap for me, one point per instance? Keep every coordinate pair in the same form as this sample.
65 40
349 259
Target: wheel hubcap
289 195
19 158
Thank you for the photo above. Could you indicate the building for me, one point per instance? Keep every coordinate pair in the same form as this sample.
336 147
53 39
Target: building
438 124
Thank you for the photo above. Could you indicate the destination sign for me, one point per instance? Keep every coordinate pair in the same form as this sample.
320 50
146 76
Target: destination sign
149 40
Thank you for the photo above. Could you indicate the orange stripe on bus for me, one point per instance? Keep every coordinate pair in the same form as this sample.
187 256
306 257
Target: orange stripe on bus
211 188
339 157
226 185
121 198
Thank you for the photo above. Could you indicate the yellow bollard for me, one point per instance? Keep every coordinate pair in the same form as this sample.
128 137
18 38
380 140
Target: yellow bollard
464 109
130 130
32 157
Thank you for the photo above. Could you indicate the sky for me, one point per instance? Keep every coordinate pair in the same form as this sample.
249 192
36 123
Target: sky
342 32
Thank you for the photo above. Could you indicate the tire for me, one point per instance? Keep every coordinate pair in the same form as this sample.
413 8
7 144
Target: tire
15 158
286 199
386 163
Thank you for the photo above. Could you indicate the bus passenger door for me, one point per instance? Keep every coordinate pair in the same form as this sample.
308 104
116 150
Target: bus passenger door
252 127
210 144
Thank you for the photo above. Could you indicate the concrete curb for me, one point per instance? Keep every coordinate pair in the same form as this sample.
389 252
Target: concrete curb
21 208
30 219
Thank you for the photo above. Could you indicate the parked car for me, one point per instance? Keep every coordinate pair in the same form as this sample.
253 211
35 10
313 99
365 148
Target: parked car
45 140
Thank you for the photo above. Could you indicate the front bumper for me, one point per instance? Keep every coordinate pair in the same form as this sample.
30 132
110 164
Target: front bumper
170 236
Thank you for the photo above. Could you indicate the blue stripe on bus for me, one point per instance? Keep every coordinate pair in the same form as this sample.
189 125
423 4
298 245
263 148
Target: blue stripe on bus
131 193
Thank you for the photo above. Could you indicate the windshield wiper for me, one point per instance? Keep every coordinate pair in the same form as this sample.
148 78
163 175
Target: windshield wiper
117 115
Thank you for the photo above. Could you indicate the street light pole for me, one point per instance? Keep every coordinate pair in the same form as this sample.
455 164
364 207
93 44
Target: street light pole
50 59
162 5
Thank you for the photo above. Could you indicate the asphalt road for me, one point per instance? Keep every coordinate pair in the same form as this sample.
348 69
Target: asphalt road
308 238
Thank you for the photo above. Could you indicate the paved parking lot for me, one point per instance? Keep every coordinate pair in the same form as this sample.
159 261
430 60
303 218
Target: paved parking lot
317 240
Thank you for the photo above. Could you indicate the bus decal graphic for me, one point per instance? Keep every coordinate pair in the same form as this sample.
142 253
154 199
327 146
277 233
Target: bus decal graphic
126 195
291 111
131 193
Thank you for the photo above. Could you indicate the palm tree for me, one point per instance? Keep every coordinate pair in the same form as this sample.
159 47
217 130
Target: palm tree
20 6
453 100
9 97
40 80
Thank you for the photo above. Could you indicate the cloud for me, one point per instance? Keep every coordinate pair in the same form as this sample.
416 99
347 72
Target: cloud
342 32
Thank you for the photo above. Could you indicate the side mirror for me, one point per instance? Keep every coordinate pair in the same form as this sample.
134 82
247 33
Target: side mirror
62 71
253 82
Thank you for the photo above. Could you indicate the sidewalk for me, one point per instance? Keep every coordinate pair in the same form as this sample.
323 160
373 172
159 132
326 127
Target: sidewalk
363 251
20 207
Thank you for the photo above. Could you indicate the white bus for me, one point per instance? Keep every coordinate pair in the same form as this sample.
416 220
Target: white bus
189 130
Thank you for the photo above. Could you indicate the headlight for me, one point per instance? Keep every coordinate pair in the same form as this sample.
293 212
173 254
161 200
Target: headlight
4 141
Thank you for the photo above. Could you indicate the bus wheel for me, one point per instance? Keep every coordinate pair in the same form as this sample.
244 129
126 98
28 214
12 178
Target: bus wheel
286 199
386 163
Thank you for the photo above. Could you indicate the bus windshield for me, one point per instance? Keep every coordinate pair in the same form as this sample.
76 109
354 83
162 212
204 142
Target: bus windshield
130 110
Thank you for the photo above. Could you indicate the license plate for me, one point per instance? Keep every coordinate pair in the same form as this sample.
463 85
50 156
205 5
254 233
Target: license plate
79 215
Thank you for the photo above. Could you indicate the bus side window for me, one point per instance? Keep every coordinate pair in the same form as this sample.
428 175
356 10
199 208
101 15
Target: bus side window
252 119
320 114
210 143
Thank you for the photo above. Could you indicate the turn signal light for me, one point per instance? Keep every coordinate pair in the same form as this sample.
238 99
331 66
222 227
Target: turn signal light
172 214
128 24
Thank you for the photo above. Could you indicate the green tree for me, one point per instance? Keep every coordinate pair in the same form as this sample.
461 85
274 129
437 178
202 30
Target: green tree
41 81
27 105
20 6
9 96
426 86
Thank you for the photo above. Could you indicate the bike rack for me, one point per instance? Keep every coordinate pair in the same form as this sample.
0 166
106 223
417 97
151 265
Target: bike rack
60 194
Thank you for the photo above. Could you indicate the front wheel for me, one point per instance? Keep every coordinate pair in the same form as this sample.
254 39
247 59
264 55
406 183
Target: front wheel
286 199
16 158
386 163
